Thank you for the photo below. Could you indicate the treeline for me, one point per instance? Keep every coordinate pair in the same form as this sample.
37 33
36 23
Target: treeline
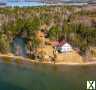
58 24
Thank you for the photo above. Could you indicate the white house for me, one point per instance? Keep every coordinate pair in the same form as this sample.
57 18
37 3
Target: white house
65 48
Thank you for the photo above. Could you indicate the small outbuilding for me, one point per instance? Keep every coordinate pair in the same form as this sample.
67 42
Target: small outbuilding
66 47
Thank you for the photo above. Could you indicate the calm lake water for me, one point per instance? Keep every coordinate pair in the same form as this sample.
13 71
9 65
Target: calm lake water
45 77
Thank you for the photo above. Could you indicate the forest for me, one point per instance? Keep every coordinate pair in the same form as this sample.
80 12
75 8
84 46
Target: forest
75 24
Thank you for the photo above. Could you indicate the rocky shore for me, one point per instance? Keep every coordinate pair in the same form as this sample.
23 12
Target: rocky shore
10 59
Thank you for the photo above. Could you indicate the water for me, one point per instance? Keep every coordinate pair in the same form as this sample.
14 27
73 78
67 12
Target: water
45 77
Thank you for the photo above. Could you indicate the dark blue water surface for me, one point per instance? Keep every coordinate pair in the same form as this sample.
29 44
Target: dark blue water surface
45 77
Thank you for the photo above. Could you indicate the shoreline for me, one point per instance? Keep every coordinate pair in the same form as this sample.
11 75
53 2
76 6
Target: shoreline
28 60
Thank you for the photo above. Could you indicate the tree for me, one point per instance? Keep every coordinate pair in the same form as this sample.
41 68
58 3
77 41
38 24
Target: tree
4 44
55 33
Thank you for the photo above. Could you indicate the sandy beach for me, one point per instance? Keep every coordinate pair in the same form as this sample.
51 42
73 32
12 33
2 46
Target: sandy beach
23 59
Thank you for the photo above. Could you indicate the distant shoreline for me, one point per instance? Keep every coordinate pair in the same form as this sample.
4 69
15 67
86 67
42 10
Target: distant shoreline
23 59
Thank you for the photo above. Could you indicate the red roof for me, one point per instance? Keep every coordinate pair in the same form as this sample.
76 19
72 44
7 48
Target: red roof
58 43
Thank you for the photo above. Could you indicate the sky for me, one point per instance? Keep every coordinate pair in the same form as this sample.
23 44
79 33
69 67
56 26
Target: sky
26 3
22 3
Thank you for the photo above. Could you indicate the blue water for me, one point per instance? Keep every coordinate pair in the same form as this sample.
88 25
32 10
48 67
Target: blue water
45 77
